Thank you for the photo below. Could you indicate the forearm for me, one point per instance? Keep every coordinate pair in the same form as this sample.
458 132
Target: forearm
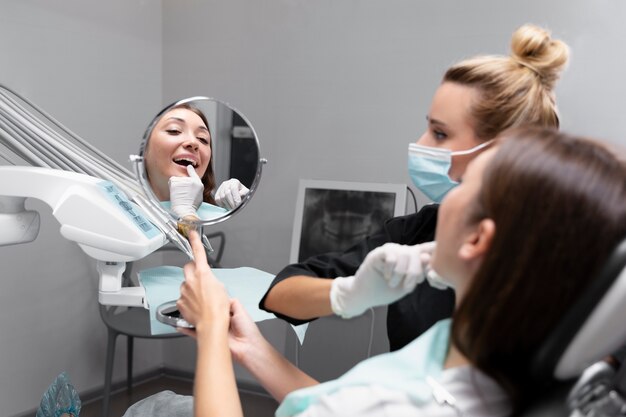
215 388
275 373
301 297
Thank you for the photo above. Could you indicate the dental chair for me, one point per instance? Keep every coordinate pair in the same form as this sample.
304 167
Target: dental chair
592 330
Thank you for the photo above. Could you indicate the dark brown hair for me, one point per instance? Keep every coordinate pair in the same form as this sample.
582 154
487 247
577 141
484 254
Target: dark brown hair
559 206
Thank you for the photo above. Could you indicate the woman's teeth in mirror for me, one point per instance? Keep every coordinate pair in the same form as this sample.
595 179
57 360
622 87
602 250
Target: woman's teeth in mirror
185 162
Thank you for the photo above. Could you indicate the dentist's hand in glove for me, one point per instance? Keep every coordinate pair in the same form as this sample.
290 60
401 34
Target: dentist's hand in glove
230 193
186 193
387 274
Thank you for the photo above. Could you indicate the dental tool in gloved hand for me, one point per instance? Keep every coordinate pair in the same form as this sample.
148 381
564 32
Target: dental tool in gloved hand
387 274
186 193
230 193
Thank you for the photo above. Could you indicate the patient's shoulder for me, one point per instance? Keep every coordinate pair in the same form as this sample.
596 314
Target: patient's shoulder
475 393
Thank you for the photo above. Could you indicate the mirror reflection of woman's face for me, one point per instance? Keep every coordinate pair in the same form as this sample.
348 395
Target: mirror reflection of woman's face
450 124
180 138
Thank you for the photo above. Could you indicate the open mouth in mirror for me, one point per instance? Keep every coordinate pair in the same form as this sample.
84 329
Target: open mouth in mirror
199 160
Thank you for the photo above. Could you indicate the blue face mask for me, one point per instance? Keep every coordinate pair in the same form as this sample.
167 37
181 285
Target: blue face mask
429 167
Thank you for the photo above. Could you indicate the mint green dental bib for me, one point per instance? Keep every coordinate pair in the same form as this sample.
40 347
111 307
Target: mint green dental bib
404 371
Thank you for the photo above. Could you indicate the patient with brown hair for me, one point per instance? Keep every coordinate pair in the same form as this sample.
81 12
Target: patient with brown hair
512 240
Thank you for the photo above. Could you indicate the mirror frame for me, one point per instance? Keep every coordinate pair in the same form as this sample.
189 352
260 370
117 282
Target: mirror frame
140 168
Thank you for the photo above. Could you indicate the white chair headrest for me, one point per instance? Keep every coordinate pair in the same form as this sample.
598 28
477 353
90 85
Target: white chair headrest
602 333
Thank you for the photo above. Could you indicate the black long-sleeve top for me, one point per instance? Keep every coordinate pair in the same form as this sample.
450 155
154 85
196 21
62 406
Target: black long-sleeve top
408 317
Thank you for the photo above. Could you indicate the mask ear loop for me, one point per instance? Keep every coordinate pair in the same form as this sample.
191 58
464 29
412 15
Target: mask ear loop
472 150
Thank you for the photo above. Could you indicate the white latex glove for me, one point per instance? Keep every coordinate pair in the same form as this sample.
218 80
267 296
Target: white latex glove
230 193
387 274
186 193
436 281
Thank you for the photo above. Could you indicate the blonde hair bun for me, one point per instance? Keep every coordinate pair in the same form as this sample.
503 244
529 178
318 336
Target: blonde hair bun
533 47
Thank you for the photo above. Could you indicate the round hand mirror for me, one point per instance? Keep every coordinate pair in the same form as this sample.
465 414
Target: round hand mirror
199 160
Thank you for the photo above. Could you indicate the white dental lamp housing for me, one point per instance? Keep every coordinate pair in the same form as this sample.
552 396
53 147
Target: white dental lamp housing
18 225
92 212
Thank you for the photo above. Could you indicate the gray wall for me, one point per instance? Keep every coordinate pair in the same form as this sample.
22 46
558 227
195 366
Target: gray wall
96 66
335 89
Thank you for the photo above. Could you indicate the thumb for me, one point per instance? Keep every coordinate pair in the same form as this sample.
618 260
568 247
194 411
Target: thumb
192 172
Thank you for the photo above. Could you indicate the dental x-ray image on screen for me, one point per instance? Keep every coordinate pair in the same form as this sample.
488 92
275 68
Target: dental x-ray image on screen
332 216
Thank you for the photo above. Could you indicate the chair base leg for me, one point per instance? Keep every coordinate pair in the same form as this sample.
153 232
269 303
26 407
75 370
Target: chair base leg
129 364
108 372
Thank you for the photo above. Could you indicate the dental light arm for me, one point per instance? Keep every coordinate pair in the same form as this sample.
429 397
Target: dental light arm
98 202
18 225
92 212
29 135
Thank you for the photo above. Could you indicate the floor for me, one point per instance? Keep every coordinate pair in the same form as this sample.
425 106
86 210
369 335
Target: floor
254 405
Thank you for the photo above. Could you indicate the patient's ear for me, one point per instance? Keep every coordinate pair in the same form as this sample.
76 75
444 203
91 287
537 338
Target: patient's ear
478 243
